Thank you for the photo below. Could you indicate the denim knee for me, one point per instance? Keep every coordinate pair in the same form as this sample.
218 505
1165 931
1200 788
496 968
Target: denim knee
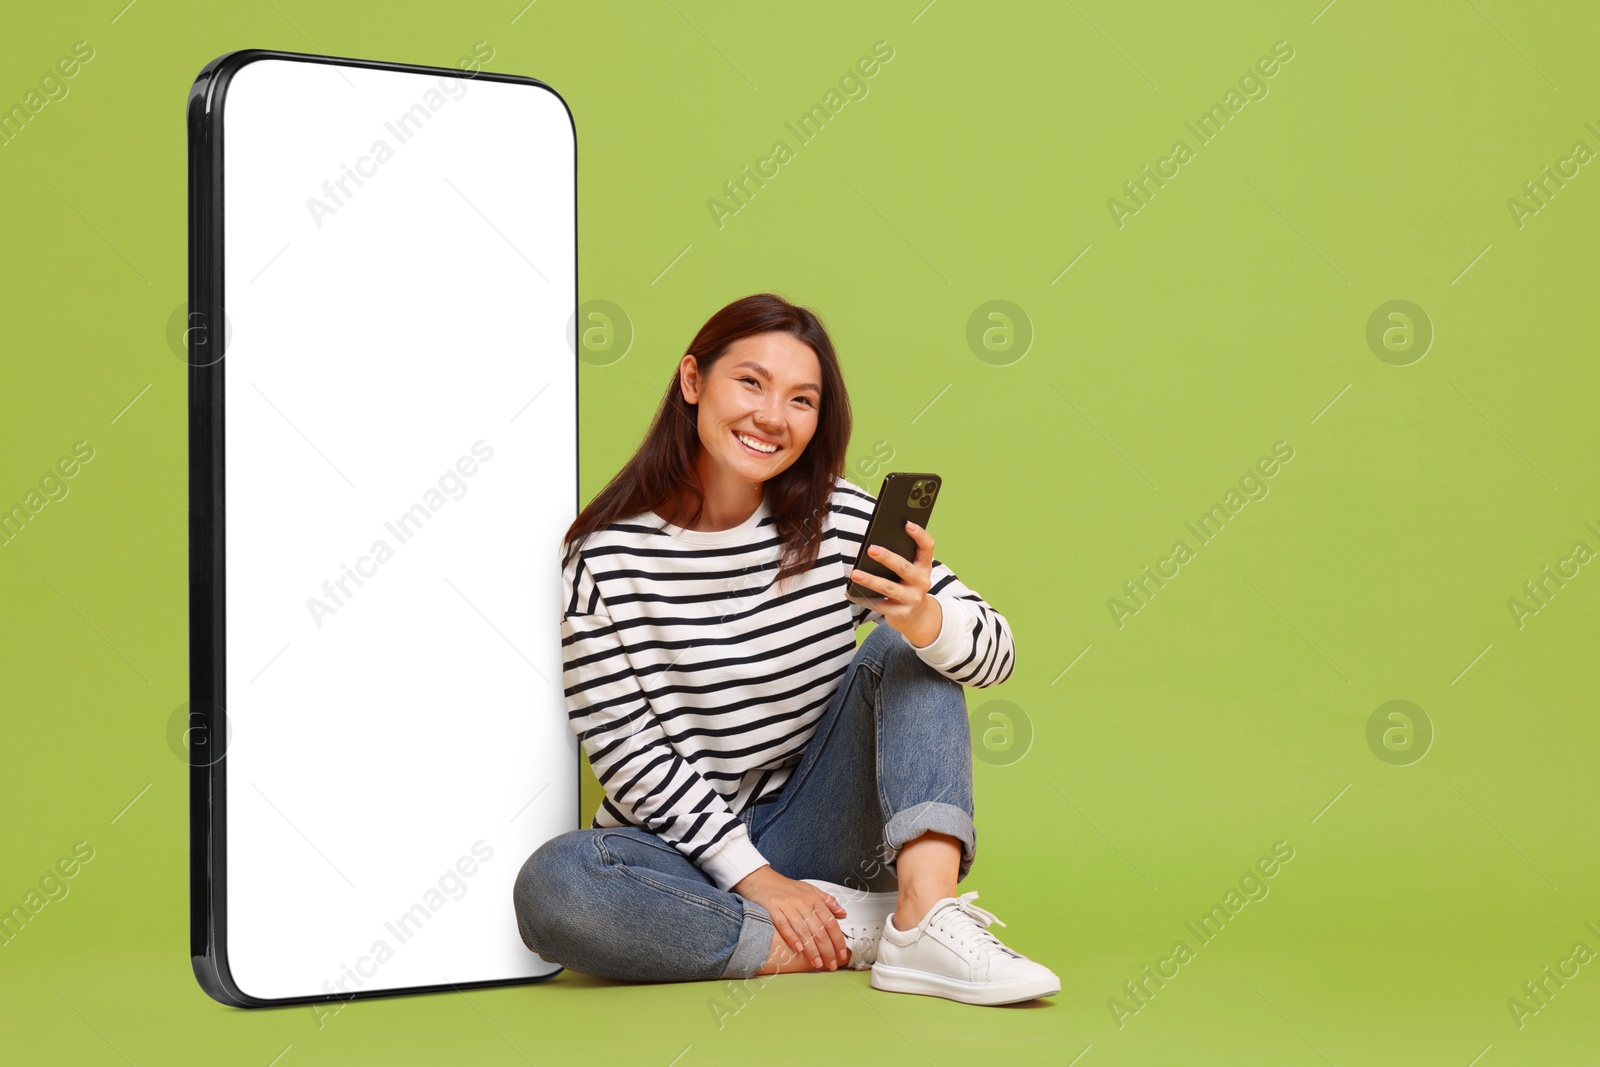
892 651
549 890
883 641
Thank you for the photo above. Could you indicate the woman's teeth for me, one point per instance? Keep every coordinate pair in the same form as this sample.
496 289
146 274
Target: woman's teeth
752 446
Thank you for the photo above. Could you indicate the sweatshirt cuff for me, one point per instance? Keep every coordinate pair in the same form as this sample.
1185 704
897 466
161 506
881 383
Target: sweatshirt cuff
733 858
954 644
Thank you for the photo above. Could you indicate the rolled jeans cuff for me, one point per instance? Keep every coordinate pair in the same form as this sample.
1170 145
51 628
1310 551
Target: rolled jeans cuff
918 819
755 942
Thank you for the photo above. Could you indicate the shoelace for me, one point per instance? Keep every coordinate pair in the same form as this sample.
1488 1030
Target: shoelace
976 925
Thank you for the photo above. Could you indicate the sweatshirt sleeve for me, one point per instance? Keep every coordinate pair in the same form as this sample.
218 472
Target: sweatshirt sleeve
647 782
975 645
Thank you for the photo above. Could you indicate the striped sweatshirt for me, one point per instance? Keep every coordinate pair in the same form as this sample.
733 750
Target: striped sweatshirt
694 685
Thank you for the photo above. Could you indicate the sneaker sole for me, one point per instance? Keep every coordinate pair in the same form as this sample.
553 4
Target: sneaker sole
905 980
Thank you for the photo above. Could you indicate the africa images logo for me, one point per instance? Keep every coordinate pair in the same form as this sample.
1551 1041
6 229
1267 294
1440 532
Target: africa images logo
406 526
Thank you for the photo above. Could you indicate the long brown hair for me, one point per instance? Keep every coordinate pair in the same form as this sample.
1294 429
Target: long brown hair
662 471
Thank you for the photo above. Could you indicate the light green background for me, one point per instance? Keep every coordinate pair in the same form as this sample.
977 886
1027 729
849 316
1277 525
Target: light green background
1228 314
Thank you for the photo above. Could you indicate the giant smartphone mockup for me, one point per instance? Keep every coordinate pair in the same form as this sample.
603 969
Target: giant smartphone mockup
382 462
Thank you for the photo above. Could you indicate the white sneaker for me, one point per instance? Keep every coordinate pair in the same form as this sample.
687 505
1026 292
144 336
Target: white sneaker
865 916
951 953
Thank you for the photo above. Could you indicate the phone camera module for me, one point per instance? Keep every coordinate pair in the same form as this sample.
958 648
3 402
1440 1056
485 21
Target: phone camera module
922 493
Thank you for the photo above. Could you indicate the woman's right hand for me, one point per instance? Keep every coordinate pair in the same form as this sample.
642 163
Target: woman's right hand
806 918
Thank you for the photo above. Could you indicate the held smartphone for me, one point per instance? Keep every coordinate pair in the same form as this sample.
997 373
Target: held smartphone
903 498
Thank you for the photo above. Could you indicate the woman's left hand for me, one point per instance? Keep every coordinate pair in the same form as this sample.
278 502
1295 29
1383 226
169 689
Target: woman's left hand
906 604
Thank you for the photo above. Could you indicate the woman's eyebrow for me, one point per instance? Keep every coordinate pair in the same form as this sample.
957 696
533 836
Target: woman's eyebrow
759 369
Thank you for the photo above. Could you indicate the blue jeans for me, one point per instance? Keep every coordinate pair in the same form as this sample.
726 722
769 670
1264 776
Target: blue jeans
891 759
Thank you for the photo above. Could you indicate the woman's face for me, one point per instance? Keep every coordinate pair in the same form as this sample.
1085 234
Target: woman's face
764 393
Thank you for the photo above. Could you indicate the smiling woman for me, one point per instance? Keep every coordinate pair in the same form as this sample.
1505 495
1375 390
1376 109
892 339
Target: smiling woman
773 791
752 422
761 369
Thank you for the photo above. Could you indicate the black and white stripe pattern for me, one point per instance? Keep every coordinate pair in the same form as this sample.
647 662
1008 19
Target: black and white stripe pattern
694 684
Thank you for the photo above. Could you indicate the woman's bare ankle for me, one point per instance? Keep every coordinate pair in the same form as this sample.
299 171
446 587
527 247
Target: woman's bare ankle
913 905
783 959
926 867
908 913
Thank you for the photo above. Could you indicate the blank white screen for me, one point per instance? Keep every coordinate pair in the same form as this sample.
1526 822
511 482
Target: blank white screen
384 742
